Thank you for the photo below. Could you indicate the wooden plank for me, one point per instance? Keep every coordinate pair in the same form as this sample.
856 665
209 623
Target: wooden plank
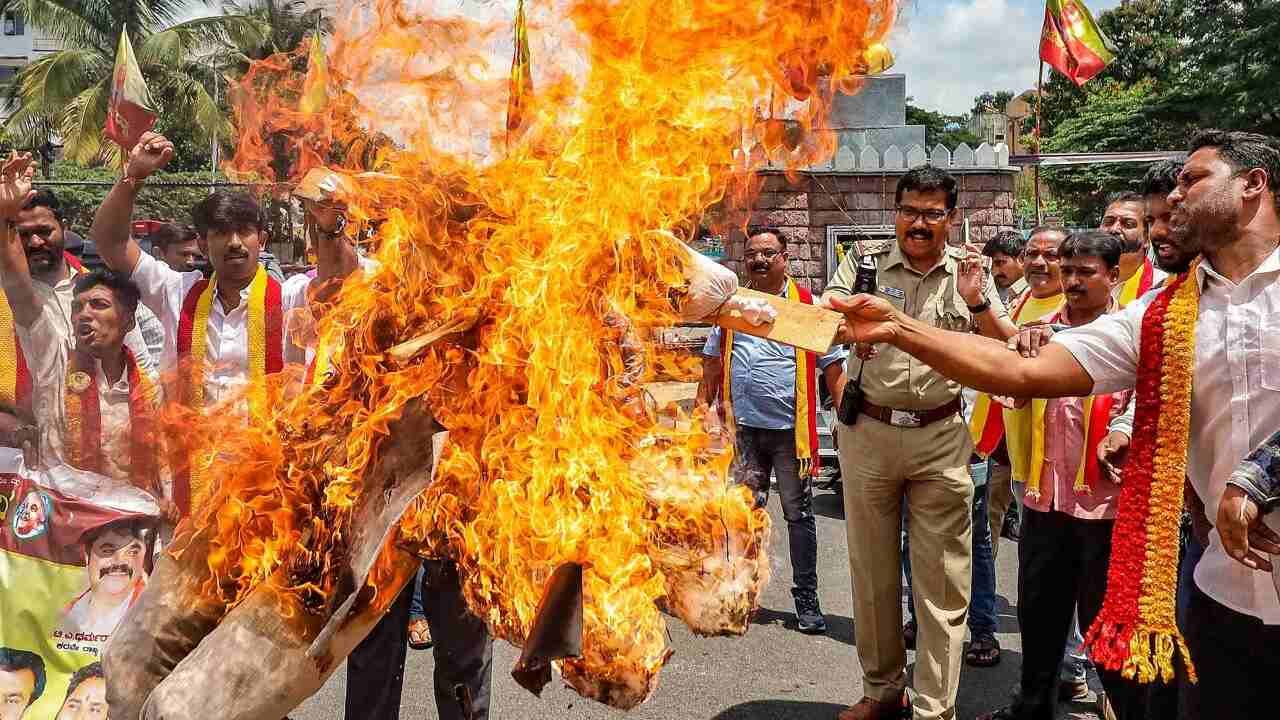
808 327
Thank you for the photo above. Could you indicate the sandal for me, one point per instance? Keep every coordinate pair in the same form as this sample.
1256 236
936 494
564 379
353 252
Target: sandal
419 634
984 651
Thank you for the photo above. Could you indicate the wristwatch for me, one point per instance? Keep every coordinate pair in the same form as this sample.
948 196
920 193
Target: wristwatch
980 308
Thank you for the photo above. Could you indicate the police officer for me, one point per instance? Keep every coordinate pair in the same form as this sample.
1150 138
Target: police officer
905 458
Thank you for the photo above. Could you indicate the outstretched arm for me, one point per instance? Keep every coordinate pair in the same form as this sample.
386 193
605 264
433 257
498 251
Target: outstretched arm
15 275
973 361
110 229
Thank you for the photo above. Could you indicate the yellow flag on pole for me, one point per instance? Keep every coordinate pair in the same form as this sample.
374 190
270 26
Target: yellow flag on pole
129 111
521 84
315 86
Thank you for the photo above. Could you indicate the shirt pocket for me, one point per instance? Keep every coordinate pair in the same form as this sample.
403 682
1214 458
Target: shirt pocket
1270 344
948 313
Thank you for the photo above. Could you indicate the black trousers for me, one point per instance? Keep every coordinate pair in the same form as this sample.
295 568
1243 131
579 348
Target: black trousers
463 654
1062 569
761 452
1237 661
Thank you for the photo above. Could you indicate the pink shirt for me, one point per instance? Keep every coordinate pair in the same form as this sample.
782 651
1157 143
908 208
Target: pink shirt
1063 446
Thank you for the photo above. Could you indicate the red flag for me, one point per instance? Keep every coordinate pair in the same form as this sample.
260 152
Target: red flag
129 112
1072 42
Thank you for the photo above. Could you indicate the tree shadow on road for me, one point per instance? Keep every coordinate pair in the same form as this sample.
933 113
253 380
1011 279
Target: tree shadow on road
839 627
781 709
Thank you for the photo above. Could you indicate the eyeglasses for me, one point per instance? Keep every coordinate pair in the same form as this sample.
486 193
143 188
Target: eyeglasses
931 217
1050 256
766 254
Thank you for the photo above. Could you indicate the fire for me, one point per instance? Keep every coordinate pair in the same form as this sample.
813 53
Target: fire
551 246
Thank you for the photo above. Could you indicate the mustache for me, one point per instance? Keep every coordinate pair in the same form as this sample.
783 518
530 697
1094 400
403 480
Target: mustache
118 567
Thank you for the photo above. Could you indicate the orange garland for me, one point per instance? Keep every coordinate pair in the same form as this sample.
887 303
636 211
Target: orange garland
1136 631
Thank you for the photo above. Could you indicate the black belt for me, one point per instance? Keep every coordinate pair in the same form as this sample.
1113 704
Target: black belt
910 418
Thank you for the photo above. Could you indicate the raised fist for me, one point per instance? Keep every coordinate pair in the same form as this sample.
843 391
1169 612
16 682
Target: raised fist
152 152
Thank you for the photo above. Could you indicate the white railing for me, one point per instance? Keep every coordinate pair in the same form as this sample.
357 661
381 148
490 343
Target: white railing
985 156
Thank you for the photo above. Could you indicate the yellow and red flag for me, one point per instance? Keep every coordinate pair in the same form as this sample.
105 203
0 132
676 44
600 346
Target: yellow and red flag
1072 42
129 112
315 87
521 84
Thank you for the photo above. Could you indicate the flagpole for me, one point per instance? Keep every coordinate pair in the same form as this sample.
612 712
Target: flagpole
1039 102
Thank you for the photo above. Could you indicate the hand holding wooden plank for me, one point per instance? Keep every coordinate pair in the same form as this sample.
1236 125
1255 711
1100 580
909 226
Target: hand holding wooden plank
808 327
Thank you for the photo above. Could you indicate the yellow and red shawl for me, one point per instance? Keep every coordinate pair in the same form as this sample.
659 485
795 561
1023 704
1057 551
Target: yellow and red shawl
265 330
84 421
806 391
1097 420
1136 632
1138 284
15 376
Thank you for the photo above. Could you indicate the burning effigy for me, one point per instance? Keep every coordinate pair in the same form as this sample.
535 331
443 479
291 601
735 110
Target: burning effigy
520 230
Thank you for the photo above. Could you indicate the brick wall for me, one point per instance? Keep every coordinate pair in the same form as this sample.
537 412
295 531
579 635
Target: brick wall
802 210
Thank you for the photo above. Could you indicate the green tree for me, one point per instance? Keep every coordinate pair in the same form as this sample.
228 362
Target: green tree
1228 74
65 93
290 23
158 200
950 130
989 101
1114 117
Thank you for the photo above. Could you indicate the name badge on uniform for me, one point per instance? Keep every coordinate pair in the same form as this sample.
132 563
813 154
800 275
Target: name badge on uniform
893 292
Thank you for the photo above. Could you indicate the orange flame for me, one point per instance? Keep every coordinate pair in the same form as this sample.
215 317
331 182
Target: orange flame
637 128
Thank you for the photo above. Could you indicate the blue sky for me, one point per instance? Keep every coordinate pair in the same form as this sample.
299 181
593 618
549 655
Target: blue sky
953 50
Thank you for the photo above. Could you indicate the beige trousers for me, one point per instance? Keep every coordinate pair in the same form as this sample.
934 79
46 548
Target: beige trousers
927 470
999 497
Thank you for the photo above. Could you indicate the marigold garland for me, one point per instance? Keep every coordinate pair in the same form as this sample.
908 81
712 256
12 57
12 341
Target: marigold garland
1136 632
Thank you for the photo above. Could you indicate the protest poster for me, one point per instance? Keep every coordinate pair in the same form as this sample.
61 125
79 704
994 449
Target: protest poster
76 549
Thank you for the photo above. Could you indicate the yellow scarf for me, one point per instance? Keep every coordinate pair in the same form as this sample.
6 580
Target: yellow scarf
264 328
990 421
805 391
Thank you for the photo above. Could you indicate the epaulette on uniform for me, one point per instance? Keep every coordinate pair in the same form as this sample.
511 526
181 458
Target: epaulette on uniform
878 246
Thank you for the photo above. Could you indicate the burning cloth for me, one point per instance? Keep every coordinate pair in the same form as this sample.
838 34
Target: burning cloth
502 270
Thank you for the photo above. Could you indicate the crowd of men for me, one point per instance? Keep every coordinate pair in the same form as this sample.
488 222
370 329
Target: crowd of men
1046 331
1050 327
102 348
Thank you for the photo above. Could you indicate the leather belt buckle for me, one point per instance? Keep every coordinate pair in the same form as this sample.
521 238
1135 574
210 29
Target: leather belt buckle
904 419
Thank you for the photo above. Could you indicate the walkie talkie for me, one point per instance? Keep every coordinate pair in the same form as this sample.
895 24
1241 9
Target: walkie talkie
864 283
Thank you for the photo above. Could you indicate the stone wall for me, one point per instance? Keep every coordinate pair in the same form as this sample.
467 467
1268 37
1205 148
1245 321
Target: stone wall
803 210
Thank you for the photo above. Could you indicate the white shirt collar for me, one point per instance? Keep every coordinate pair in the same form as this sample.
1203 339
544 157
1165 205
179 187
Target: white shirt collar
1206 272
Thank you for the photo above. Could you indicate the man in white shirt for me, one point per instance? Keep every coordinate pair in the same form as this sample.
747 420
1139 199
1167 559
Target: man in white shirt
83 378
1226 197
40 228
231 232
225 334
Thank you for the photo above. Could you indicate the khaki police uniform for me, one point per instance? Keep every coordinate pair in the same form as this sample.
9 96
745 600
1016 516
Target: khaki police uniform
901 461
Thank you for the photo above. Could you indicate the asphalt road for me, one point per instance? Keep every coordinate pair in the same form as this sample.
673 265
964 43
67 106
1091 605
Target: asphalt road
772 672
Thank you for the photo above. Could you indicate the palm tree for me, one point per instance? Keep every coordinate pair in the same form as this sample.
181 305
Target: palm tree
64 95
290 22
